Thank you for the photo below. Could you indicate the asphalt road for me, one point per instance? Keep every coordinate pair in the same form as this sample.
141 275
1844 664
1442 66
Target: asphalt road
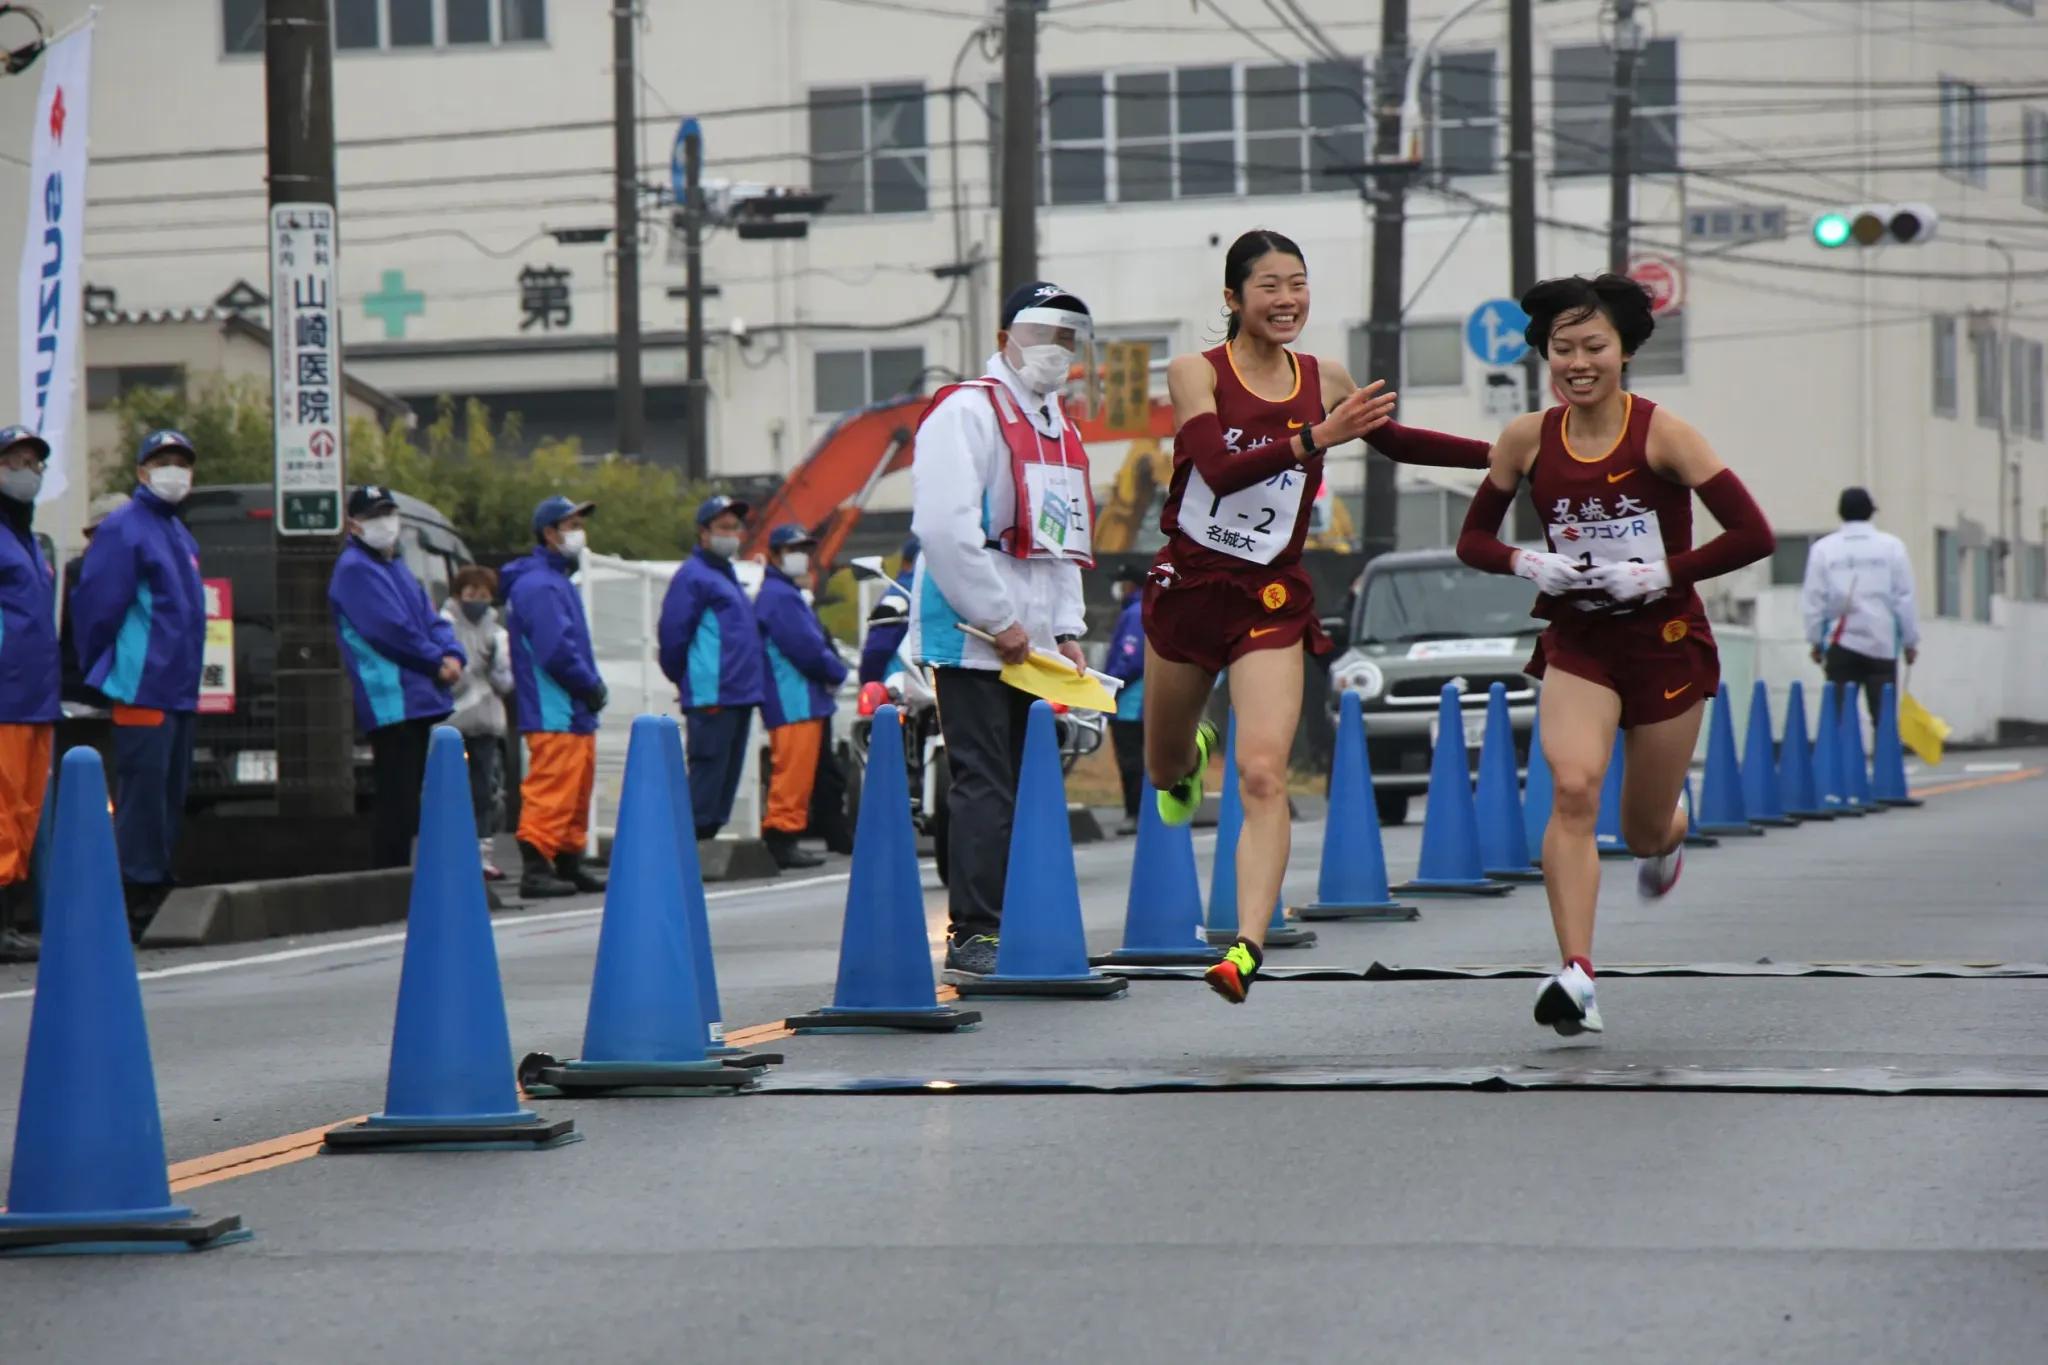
1338 1225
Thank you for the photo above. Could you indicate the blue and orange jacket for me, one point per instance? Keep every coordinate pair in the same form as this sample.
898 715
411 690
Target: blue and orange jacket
553 665
803 668
1127 658
31 667
139 613
391 638
710 642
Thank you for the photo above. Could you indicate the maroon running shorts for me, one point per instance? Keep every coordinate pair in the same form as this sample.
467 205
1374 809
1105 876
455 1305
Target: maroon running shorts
1660 664
1213 621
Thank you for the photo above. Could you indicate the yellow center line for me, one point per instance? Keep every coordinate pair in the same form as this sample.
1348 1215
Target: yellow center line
1973 783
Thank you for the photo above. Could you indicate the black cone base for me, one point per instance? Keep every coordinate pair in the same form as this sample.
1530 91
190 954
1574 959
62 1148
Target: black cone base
1805 815
1288 937
1386 912
451 1137
1902 802
1478 888
941 1020
1158 957
1045 987
1732 831
1695 839
188 1234
596 1080
1773 821
1524 875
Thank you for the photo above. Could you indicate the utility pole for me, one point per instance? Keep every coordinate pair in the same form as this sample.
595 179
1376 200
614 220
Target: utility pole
1388 195
1522 212
1020 144
632 412
696 394
315 725
1627 43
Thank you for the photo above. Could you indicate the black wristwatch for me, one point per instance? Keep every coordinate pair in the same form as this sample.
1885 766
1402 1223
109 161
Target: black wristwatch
1064 639
1308 439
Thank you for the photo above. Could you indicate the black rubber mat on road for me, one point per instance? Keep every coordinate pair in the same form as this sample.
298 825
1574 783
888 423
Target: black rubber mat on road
1381 971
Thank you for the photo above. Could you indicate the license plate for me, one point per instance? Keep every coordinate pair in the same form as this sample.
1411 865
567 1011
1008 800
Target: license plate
254 766
1475 732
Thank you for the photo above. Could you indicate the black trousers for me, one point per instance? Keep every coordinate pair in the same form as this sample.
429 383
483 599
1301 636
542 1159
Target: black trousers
828 801
1871 674
1128 737
983 719
398 765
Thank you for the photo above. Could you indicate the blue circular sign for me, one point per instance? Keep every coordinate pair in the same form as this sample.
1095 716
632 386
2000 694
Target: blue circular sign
1494 332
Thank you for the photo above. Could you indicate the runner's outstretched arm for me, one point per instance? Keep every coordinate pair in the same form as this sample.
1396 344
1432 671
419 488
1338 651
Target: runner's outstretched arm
1508 460
1420 445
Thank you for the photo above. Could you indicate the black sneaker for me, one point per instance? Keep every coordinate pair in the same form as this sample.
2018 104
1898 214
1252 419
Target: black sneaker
788 856
970 959
537 879
571 868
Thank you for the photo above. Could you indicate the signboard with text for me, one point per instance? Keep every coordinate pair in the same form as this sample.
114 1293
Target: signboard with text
306 381
217 659
1127 396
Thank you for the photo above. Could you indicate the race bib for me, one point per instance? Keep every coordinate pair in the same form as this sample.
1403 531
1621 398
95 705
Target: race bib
1058 513
1254 523
1635 537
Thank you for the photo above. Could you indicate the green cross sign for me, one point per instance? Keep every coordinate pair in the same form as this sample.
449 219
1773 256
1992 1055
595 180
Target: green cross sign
393 304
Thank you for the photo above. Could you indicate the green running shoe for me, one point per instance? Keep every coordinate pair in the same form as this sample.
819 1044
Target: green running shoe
1178 803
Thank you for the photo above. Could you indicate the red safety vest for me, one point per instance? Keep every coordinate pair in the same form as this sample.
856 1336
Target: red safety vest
1028 447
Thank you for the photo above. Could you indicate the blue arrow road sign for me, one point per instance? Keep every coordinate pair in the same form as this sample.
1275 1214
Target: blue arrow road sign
1494 332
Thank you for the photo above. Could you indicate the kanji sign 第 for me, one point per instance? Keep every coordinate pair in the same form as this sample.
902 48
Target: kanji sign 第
305 359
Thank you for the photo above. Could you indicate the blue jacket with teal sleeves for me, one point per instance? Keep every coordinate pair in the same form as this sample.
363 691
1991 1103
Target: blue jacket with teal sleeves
803 668
1127 658
31 672
139 612
554 669
878 651
710 643
391 637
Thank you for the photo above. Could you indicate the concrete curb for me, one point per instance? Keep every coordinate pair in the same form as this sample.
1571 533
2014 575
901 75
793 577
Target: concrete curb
244 912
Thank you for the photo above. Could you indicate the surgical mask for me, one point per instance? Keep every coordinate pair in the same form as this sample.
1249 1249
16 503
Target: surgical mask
476 611
1043 368
723 547
796 564
379 533
573 543
22 485
169 482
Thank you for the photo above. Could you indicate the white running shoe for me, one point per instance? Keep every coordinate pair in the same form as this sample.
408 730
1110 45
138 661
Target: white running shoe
1567 1003
1656 876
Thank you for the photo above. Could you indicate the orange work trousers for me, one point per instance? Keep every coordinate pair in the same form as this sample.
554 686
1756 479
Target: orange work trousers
24 776
554 800
793 772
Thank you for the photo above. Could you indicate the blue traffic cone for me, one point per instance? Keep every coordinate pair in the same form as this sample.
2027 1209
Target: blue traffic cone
1450 864
1044 948
1693 837
1796 788
88 1170
451 1078
1760 798
1827 755
1353 883
1503 838
1222 930
1888 764
1539 791
885 952
1722 811
1163 917
1855 767
1607 826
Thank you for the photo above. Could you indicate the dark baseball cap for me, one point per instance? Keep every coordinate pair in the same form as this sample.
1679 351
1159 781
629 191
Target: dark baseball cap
1855 504
1039 294
10 437
1129 573
369 500
157 442
717 505
557 509
788 534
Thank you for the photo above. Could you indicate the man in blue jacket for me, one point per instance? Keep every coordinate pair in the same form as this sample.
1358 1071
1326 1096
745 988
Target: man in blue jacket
30 681
803 672
711 650
889 621
557 692
401 657
139 626
1127 661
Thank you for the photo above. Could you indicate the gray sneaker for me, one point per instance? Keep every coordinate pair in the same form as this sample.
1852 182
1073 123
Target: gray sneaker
970 959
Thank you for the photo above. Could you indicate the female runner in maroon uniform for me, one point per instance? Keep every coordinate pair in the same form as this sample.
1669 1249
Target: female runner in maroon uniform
1228 590
1612 476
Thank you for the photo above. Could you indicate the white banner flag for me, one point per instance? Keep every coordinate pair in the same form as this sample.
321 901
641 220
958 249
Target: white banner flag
53 258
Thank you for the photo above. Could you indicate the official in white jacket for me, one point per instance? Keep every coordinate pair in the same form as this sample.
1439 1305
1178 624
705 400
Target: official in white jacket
1004 511
1858 602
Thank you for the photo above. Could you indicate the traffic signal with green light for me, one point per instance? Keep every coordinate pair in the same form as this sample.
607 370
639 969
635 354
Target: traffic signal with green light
1875 225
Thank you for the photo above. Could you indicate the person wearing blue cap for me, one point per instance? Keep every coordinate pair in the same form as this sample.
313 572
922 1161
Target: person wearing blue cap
797 704
31 680
139 626
557 693
401 658
711 650
889 621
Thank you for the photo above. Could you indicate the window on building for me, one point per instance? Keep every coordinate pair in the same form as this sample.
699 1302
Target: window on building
2019 354
1432 353
1945 365
104 384
1788 560
1663 355
1980 585
1461 95
1948 574
1984 359
1144 137
1205 131
868 148
1338 116
1962 130
1077 148
2034 573
1301 120
2035 155
361 25
1582 89
241 25
844 380
2037 394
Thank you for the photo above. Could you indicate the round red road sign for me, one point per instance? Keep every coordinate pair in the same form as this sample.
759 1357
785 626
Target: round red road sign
1663 278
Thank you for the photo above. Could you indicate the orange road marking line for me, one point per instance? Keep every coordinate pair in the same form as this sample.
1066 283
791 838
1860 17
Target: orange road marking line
1973 783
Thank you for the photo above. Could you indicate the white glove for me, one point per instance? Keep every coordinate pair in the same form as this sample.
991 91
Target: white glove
1631 581
1553 575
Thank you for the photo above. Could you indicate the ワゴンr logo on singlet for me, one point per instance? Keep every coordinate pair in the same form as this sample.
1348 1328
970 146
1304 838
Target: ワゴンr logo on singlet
1596 531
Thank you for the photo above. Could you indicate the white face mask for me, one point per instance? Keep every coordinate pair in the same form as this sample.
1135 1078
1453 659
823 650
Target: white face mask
379 533
573 542
723 547
22 485
169 482
796 564
1043 368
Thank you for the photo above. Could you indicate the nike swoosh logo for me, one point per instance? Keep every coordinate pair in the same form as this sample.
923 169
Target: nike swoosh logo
1255 634
1677 691
1617 478
1293 425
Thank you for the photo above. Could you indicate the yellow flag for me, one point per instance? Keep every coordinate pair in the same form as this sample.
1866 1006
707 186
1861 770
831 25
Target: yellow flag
1053 678
1921 730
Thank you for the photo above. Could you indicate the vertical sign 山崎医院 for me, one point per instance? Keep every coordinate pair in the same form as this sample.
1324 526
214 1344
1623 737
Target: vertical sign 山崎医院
306 381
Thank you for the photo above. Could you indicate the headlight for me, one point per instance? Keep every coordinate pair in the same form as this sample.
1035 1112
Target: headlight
1363 677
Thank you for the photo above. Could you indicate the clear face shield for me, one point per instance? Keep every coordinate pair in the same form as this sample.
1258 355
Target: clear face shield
1053 350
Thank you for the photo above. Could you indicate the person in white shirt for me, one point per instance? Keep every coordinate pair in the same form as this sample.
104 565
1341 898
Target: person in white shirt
1004 512
1858 602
